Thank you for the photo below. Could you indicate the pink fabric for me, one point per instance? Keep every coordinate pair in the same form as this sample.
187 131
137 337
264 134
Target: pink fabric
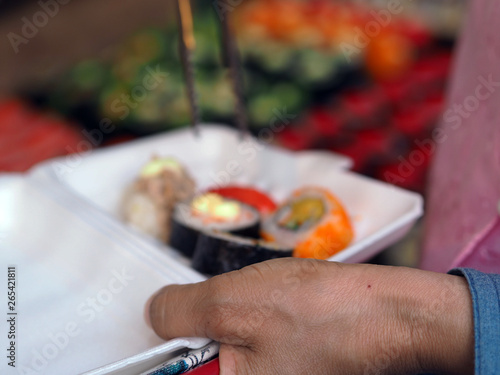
461 220
485 255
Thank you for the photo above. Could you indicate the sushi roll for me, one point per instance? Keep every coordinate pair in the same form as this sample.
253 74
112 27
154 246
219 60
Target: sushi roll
218 252
211 211
313 222
148 203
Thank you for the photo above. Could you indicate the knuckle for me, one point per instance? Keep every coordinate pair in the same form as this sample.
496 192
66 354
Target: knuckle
229 314
217 304
219 289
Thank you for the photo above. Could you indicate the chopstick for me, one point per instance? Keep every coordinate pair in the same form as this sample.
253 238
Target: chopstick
186 45
231 59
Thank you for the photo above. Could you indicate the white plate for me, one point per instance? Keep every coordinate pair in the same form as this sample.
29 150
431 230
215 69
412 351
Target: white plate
381 213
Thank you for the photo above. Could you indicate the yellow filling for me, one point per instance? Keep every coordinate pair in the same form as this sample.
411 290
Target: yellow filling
301 211
216 206
156 166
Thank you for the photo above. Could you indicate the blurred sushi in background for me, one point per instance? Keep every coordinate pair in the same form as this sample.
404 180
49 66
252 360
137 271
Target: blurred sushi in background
299 57
292 52
149 202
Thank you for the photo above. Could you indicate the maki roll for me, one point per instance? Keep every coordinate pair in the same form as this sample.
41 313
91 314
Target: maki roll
218 252
149 201
211 211
313 222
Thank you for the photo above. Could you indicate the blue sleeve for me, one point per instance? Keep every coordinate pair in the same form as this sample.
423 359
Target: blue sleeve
485 291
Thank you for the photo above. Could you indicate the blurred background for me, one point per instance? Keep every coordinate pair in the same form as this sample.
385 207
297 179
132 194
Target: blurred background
364 78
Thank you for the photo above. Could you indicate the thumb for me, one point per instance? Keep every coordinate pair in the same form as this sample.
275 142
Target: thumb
194 310
174 311
222 308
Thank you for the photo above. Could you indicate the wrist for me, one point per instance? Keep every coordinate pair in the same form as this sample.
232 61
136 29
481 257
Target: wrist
438 308
427 321
453 345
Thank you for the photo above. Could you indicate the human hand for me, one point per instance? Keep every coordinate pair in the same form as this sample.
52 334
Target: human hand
301 316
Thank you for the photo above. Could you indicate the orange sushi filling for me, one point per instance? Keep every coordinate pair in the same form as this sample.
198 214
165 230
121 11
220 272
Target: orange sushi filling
329 237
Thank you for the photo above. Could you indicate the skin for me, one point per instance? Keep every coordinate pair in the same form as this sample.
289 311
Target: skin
302 316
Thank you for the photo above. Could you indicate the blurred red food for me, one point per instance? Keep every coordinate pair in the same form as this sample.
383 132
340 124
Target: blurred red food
28 136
